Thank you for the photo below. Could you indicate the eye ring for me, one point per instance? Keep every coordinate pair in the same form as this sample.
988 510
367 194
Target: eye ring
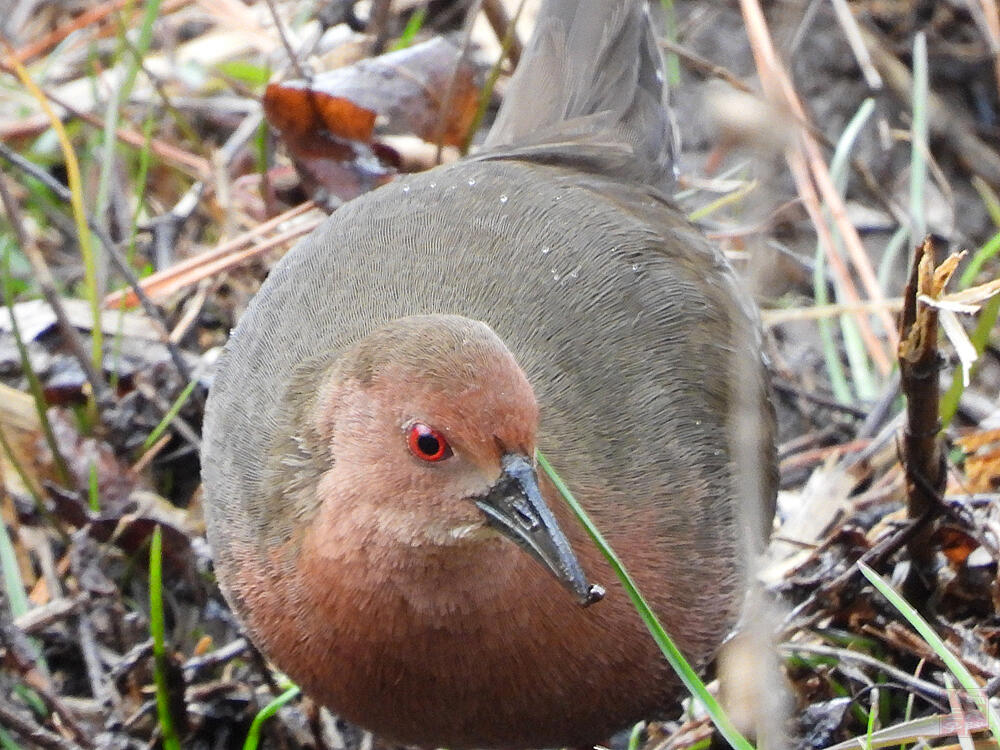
426 443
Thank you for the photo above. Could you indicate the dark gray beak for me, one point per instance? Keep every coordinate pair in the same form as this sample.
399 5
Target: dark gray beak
515 507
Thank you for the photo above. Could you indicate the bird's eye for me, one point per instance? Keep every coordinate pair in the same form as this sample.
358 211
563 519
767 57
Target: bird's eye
426 443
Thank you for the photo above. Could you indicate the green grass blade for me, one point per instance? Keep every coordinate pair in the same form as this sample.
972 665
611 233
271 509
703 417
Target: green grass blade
671 61
890 255
952 662
7 742
865 386
831 356
93 490
172 412
983 254
845 145
635 736
157 628
411 29
119 95
673 655
34 384
989 198
13 585
253 735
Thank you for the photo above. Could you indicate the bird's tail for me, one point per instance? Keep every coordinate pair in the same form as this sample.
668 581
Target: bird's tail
589 91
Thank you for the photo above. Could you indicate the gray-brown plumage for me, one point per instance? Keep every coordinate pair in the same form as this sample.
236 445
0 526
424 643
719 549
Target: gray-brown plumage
368 441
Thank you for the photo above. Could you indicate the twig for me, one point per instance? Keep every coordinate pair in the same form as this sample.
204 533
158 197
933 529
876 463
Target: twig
38 618
852 32
23 657
170 280
873 557
919 365
819 455
293 59
828 402
378 23
503 26
216 657
29 730
923 687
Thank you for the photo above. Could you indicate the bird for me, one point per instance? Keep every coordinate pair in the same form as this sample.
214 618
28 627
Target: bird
378 520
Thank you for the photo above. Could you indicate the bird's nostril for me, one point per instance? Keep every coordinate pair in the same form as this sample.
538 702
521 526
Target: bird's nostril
524 513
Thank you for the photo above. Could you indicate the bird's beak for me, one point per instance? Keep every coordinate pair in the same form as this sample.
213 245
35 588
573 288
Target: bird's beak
514 506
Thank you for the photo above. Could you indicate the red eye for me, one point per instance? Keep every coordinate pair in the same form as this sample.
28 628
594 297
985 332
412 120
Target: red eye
426 443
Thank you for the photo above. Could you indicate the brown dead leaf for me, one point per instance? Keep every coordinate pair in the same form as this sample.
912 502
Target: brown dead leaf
982 462
955 543
300 113
428 89
944 272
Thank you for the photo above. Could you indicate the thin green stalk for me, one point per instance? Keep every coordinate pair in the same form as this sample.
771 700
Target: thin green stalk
872 715
253 735
34 384
142 176
119 95
172 412
7 742
411 29
156 627
112 114
983 254
491 80
671 61
980 337
835 369
890 255
635 736
13 584
845 145
731 197
952 662
865 385
989 198
145 154
863 379
75 180
673 655
93 490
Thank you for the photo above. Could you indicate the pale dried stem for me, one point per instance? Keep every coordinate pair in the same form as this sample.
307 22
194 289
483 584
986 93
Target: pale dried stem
779 317
779 89
800 172
849 25
89 17
226 255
